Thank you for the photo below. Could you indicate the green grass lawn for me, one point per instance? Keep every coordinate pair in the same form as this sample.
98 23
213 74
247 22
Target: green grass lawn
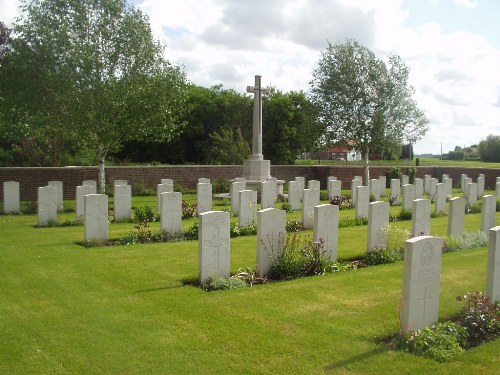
129 309
404 163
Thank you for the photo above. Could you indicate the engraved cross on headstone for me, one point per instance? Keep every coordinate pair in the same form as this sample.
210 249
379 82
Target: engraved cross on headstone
258 91
425 299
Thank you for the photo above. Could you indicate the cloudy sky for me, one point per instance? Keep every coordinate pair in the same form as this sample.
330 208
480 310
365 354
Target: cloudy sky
451 47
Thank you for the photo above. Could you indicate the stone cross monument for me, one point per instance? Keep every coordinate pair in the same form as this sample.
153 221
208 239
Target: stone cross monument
256 168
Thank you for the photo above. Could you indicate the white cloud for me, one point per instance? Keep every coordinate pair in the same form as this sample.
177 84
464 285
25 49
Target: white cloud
466 3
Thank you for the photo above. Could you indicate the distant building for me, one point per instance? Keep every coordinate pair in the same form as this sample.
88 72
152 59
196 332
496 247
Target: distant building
342 152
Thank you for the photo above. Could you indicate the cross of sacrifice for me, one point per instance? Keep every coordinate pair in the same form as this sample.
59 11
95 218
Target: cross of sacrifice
257 91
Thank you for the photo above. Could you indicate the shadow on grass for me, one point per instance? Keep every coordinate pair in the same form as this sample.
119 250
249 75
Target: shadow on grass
357 358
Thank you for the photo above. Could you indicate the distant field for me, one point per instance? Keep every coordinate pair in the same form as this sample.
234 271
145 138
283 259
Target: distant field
404 163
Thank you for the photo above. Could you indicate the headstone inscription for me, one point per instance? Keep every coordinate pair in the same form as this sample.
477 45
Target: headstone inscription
378 220
11 201
421 283
47 205
171 212
326 224
270 238
213 245
456 216
95 217
308 208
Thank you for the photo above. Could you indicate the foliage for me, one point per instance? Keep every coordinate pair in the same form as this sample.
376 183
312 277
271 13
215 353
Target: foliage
383 255
148 213
291 126
474 208
341 201
489 149
287 207
192 232
395 237
223 283
221 185
350 221
392 173
244 230
300 257
412 174
250 277
441 341
294 225
141 190
362 100
188 210
404 214
30 207
102 76
480 318
228 147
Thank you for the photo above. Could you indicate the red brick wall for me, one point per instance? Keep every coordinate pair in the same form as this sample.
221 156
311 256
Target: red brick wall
31 178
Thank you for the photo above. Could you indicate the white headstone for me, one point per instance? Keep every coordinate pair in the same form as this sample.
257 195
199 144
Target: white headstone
360 179
243 181
456 216
165 187
395 191
301 181
488 212
471 193
294 195
497 180
326 228
203 180
60 199
81 192
378 220
449 185
267 194
382 184
313 185
90 183
497 190
433 188
270 238
95 217
234 191
362 201
375 188
171 212
405 180
493 268
463 185
334 188
419 188
213 245
47 205
247 214
440 201
11 201
421 283
331 178
274 182
354 185
167 181
408 196
203 197
120 182
421 218
122 202
310 200
480 186
427 183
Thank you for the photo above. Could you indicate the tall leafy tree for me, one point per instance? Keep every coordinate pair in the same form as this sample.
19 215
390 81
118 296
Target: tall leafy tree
362 100
290 126
489 148
91 69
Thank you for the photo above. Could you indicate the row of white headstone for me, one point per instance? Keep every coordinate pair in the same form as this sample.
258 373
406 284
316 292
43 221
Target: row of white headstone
422 275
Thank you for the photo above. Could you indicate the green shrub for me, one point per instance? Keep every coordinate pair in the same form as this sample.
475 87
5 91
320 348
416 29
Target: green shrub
383 255
192 232
435 214
480 318
294 225
341 201
141 190
300 257
393 172
222 283
245 230
285 206
395 237
441 341
412 174
473 209
468 240
182 189
146 214
250 277
351 222
404 214
30 207
188 210
221 185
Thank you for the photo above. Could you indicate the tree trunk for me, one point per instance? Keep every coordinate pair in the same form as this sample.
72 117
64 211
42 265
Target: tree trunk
367 169
101 177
